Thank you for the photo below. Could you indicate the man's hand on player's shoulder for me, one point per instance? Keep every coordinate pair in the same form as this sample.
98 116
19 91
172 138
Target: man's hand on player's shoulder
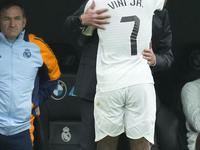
95 17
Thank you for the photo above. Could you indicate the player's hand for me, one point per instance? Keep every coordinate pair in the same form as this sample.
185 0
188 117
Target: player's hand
95 17
149 55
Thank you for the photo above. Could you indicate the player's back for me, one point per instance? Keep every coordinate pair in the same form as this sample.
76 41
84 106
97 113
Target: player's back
119 58
130 24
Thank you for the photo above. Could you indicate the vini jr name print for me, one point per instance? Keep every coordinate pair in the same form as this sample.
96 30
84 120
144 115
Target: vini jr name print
122 3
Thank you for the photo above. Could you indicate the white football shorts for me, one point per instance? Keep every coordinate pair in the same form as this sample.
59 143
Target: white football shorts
131 109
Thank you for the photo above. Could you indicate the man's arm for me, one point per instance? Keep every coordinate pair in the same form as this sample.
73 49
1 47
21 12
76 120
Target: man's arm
46 88
48 74
73 22
95 17
91 17
163 51
160 56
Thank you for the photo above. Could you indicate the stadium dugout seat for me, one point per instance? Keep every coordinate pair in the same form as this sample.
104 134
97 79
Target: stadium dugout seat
166 129
189 70
182 131
58 126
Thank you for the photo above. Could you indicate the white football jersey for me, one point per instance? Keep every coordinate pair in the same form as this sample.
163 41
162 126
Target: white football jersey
120 62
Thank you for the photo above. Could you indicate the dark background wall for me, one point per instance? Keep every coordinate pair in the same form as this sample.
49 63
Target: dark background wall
46 19
185 24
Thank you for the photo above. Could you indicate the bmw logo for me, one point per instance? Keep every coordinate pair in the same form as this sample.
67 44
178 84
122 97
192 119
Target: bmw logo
60 91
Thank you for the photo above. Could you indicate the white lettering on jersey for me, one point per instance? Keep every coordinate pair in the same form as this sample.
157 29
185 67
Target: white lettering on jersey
122 3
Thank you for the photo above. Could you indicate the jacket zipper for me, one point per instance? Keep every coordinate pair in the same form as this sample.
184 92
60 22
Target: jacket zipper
11 94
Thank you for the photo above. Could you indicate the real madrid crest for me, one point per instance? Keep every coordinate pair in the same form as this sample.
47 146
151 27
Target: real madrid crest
66 136
27 53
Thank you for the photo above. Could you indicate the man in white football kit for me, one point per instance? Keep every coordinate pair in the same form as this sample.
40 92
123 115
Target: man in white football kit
125 98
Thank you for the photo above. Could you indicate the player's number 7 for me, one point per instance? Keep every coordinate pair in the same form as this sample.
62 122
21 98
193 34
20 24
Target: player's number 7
134 32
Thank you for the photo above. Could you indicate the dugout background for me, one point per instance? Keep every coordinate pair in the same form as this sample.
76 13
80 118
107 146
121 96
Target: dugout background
46 18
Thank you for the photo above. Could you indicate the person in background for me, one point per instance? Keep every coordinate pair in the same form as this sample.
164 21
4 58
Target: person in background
190 97
22 61
85 86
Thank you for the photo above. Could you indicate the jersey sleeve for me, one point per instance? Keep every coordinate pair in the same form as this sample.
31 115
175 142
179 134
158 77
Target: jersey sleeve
48 56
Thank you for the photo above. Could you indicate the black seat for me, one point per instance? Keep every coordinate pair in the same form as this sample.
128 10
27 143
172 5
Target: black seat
57 127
